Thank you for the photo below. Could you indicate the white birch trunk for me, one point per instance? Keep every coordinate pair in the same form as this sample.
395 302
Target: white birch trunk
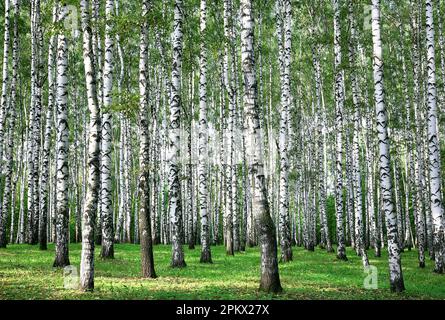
395 267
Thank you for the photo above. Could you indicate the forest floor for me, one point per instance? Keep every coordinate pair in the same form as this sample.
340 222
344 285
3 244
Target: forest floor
27 273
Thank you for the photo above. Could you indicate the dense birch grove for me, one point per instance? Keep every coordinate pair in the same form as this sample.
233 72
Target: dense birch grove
272 124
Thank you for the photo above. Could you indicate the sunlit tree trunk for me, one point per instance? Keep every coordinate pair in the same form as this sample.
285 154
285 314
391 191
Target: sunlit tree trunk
5 82
106 195
203 132
229 87
44 186
339 100
395 267
409 183
8 186
62 169
34 123
93 157
270 281
147 262
433 148
417 159
357 180
284 42
175 205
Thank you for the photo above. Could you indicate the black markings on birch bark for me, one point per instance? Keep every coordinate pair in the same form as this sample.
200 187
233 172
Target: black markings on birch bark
147 261
4 112
339 100
395 267
203 140
417 159
358 214
106 196
34 131
44 186
5 78
175 200
62 166
284 43
94 127
436 202
229 119
270 281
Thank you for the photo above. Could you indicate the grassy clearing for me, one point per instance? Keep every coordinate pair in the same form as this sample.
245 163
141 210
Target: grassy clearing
27 273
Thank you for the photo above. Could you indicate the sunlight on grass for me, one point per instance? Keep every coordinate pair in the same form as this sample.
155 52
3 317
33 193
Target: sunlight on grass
27 273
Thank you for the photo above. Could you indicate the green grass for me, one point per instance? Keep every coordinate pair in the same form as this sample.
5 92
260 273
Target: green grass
27 273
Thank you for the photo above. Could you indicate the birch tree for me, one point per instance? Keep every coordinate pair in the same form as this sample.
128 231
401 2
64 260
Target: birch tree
106 206
147 262
284 42
44 186
433 147
62 169
203 137
357 181
270 280
175 205
92 191
339 101
6 202
395 266
5 77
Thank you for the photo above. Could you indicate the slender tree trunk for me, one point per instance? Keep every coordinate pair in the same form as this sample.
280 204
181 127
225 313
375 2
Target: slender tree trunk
4 95
284 42
93 158
147 262
417 161
409 183
203 140
106 196
357 180
270 280
7 204
21 223
395 267
339 100
175 205
34 123
44 186
62 169
229 87
441 42
433 148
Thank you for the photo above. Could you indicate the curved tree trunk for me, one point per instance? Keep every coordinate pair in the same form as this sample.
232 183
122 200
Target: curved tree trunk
270 280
